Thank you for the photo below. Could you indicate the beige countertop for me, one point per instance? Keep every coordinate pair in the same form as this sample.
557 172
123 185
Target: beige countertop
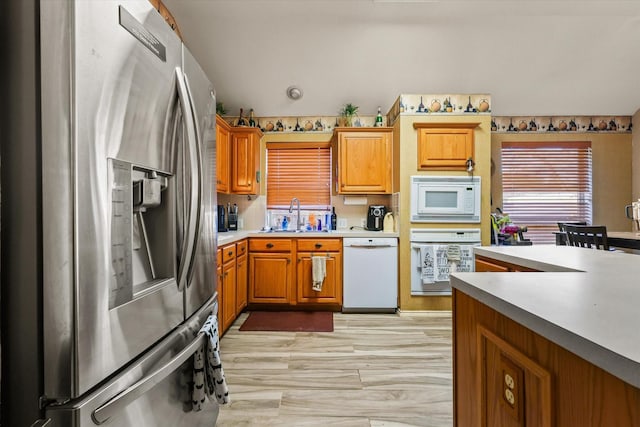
585 300
233 236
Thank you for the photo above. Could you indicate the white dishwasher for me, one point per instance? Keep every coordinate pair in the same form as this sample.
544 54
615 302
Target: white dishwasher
370 274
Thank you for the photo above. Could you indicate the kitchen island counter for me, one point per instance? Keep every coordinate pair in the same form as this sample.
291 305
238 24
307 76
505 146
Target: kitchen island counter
584 300
554 346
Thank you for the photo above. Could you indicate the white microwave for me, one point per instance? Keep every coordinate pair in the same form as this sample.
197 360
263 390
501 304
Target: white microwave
445 199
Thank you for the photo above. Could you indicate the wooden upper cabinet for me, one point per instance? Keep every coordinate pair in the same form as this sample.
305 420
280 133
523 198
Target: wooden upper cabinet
445 145
245 160
166 14
364 160
223 155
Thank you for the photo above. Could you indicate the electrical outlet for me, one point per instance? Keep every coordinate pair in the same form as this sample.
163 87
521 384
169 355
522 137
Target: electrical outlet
363 222
512 387
240 223
342 223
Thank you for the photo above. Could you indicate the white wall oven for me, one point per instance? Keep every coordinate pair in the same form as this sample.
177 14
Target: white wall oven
438 252
445 199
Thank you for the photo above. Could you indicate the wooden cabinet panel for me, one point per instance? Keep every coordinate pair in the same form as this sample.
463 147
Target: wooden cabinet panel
223 155
229 292
445 145
242 288
241 248
560 388
270 245
484 264
228 253
245 155
364 160
321 244
331 287
270 276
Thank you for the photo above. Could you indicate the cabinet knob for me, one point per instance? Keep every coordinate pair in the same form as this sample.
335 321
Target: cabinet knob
269 245
230 253
318 245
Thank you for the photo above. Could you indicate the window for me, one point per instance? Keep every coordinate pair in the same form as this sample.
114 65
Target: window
544 183
299 169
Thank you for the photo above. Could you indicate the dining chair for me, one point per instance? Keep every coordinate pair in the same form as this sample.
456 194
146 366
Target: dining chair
587 236
561 236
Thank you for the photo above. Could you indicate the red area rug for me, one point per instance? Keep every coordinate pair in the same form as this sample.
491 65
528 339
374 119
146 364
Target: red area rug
289 321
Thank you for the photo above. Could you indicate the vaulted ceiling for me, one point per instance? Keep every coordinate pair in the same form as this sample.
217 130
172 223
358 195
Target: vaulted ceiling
533 57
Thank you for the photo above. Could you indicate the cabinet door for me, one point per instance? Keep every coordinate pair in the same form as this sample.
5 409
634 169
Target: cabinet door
242 291
245 154
364 162
445 145
219 288
229 293
223 155
270 276
331 287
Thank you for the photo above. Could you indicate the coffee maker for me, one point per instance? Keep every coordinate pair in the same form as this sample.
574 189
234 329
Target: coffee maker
222 217
375 217
232 217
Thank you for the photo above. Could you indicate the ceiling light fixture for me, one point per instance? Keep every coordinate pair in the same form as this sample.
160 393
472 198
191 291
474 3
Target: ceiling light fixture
294 93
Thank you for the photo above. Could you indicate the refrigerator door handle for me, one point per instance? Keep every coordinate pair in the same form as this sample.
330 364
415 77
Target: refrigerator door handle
189 243
124 398
198 150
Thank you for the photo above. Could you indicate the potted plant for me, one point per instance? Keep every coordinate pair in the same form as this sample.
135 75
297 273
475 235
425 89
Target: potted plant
347 113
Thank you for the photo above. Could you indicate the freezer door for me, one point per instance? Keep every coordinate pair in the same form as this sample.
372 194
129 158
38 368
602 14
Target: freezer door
115 168
152 392
202 281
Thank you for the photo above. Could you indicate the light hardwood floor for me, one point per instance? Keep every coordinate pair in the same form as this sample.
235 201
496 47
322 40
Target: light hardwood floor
373 370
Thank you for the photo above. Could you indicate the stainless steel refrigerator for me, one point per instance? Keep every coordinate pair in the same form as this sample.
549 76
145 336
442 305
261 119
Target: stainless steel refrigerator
107 217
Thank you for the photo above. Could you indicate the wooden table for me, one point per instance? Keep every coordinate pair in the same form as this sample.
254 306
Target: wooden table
624 239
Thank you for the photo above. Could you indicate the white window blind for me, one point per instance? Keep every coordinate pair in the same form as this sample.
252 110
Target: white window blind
301 170
544 183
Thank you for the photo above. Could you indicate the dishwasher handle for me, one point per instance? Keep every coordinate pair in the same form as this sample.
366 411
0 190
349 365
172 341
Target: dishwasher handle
370 246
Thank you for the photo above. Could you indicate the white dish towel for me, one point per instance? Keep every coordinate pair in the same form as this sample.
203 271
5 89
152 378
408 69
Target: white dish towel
208 376
318 272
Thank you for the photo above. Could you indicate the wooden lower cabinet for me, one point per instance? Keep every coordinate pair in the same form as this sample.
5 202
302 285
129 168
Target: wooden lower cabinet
232 282
484 264
275 279
331 251
507 375
242 271
270 277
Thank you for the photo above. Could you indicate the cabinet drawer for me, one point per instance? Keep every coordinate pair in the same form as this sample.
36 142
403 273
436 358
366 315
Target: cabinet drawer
270 245
219 257
310 245
241 248
228 252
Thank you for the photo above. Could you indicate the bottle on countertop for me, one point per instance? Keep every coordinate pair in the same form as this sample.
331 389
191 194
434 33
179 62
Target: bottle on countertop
285 223
334 219
379 119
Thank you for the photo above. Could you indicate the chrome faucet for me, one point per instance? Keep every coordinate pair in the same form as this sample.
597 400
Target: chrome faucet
299 222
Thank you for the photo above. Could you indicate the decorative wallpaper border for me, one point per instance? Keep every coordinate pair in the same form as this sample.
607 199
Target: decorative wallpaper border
442 103
576 124
305 124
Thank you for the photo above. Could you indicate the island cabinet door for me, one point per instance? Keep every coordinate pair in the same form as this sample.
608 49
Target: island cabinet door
331 290
270 276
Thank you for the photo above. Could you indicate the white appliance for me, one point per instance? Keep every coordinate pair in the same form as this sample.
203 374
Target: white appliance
438 252
370 274
445 199
114 248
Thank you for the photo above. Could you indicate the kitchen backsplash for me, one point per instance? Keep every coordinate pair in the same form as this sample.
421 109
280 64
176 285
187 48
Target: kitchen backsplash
253 214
